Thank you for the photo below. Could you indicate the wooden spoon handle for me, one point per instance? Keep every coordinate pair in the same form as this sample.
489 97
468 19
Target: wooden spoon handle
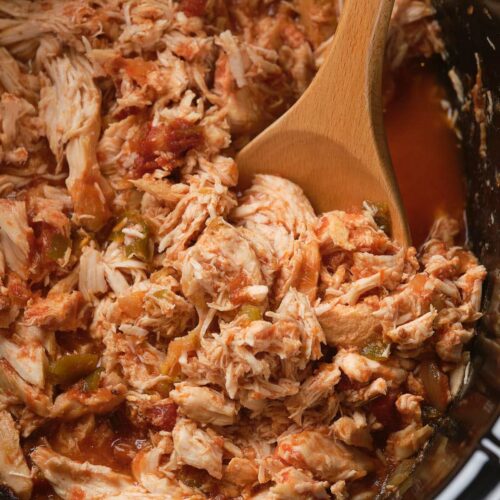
343 105
348 87
332 141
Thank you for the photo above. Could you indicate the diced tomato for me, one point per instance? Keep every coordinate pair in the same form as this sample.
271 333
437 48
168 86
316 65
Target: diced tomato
162 416
176 138
384 409
183 136
193 8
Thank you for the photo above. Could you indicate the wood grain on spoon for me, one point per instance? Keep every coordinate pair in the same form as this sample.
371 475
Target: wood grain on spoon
332 141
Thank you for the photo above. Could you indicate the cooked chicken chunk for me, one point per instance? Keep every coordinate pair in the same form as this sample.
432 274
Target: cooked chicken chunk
32 23
27 357
76 402
353 430
347 326
15 236
15 80
357 397
57 311
71 479
414 333
14 471
202 202
351 232
20 130
204 405
146 470
296 308
313 391
92 274
241 471
295 484
70 108
408 406
451 342
407 442
278 210
13 385
323 456
222 271
138 360
155 306
244 355
198 448
363 369
112 149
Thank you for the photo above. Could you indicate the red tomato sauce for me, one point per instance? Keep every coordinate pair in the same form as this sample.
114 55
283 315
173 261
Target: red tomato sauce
425 151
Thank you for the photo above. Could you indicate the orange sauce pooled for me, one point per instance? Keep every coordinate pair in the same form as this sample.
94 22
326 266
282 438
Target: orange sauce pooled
424 151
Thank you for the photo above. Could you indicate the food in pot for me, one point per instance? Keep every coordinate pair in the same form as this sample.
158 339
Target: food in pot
166 336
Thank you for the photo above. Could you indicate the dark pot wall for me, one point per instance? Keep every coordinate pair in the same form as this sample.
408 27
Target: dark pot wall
470 466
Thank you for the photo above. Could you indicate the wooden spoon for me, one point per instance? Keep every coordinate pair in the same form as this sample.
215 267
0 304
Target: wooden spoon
332 141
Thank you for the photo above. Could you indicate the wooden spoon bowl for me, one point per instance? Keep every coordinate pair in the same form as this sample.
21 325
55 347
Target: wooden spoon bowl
332 141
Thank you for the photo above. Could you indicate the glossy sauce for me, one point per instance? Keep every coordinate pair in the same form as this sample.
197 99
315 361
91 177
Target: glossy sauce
425 151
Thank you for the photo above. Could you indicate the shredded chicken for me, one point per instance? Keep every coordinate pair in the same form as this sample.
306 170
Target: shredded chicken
72 479
27 357
15 386
14 471
407 442
60 311
353 430
75 402
196 447
204 405
155 479
222 271
409 407
15 236
292 483
314 390
164 334
326 458
278 210
70 107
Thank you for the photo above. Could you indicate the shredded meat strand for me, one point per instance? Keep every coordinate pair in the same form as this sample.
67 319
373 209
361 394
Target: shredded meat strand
164 335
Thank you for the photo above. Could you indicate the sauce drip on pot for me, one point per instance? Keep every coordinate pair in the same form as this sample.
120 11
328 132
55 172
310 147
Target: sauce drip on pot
425 151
